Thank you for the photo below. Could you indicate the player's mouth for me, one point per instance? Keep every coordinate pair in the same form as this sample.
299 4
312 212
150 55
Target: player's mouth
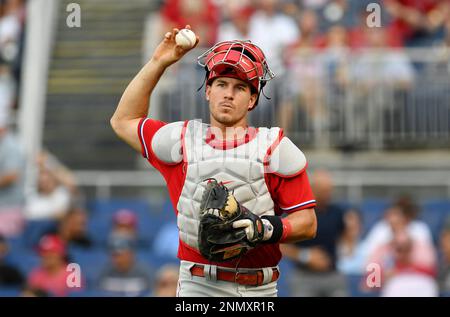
226 105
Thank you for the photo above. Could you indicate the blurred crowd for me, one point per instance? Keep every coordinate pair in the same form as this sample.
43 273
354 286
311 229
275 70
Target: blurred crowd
397 254
331 64
116 257
46 227
310 22
400 246
317 48
12 23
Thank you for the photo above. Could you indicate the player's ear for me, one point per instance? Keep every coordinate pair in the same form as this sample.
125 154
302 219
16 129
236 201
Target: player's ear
252 102
208 92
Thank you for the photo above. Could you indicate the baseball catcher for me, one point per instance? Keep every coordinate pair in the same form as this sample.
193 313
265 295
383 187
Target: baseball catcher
229 183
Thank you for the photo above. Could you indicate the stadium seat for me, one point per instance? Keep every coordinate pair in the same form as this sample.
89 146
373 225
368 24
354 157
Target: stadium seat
286 266
148 226
9 291
434 213
35 229
17 242
154 261
345 205
100 221
444 294
372 210
109 206
166 240
354 285
168 208
24 259
443 205
98 227
91 263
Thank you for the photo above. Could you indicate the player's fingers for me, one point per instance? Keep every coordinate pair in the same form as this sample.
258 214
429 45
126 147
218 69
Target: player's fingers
188 26
243 223
250 233
214 212
173 34
168 35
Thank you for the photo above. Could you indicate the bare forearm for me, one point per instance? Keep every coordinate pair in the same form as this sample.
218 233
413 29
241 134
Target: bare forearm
303 225
8 179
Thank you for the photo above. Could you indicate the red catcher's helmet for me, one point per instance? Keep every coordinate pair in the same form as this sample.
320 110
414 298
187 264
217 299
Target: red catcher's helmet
237 59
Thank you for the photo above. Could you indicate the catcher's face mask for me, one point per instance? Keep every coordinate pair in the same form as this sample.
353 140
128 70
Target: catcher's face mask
246 59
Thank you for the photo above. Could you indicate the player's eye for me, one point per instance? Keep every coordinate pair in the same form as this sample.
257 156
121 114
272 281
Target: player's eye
241 88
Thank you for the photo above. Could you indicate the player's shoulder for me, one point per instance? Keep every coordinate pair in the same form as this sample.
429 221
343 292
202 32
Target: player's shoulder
166 143
286 159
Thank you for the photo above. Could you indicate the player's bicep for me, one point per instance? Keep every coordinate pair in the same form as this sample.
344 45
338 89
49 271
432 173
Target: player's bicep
128 132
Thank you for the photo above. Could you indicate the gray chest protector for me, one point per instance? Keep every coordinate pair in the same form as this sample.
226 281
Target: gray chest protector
241 168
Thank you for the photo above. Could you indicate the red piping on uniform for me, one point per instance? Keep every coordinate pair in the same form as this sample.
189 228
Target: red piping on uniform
307 206
229 144
184 164
141 137
270 150
183 144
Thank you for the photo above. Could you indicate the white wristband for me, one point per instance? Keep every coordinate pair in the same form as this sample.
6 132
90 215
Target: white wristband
268 229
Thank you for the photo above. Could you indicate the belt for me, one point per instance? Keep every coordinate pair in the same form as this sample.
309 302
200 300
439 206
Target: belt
253 277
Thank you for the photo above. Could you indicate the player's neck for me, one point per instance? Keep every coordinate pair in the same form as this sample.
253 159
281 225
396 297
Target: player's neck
232 132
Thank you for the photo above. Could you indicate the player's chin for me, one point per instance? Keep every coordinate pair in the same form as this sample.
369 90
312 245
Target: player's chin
225 116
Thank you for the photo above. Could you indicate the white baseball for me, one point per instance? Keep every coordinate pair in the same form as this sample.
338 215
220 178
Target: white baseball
185 38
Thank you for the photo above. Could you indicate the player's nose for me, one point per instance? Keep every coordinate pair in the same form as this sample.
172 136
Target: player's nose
229 93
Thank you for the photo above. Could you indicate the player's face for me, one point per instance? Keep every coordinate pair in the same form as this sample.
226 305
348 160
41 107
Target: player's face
229 101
